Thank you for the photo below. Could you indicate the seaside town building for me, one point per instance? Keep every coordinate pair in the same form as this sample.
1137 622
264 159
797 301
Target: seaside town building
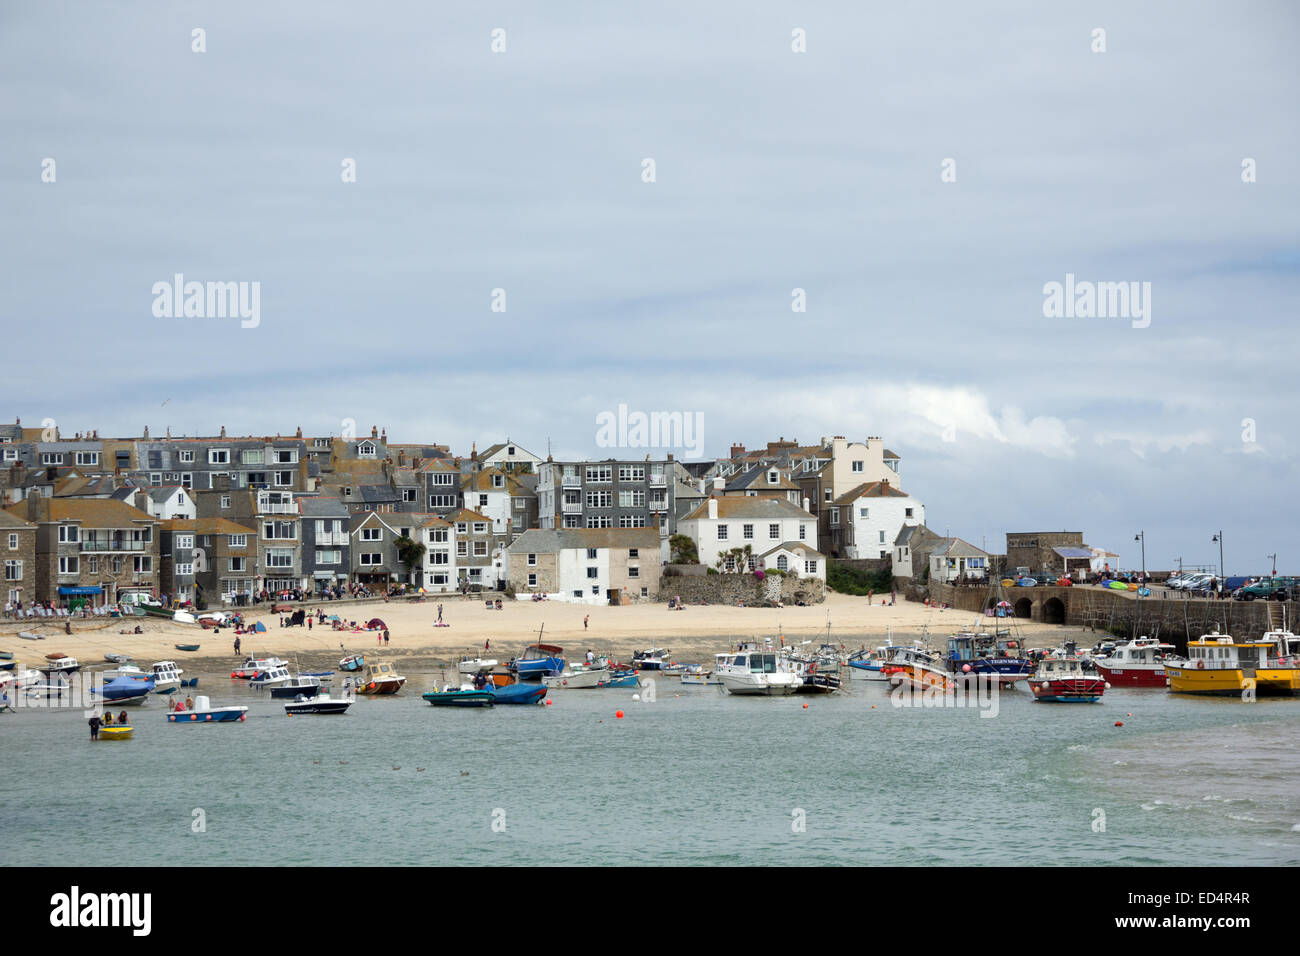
587 565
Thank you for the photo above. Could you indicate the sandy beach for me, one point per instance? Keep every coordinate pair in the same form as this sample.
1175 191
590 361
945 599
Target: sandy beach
693 635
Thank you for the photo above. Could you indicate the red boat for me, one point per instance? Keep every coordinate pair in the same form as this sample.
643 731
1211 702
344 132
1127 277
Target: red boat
1063 680
1139 663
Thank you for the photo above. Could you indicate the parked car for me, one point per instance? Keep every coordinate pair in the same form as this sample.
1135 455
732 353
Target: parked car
1191 581
1270 589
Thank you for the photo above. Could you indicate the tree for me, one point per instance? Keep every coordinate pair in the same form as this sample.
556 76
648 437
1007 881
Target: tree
738 557
682 550
409 552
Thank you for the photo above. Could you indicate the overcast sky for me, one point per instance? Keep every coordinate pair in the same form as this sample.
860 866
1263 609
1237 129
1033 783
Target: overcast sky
774 170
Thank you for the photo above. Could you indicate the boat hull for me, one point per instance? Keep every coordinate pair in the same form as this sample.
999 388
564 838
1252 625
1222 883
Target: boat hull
1070 690
283 691
1006 670
461 698
219 715
519 694
743 686
119 732
1134 676
861 671
380 688
576 680
1268 681
317 707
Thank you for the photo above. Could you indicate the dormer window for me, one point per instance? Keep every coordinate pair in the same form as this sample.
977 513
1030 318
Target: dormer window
772 477
366 450
498 481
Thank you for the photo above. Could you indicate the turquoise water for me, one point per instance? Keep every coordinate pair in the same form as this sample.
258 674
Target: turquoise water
695 777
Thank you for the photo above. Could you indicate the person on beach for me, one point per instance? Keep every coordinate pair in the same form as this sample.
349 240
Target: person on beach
309 623
385 637
94 726
236 645
439 613
585 620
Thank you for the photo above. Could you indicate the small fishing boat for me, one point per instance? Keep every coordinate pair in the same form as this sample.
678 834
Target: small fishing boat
1218 665
621 679
189 682
318 704
755 672
117 658
204 713
300 685
116 732
538 661
123 670
254 666
186 647
353 663
466 695
380 678
654 659
8 664
1063 680
577 679
911 666
1138 663
123 690
166 677
472 665
6 655
530 693
270 677
60 664
997 656
317 674
29 636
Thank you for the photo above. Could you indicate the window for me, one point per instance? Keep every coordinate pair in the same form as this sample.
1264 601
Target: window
631 499
251 456
722 532
599 521
184 570
532 580
591 554
69 565
442 501
828 496
882 537
601 473
747 532
593 572
11 454
225 501
498 481
599 499
803 531
184 542
810 567
155 479
773 477
634 552
13 570
631 472
87 458
480 549
366 450
187 479
857 467
645 592
68 533
462 527
372 534
51 458
782 563
142 563
462 549
633 572
238 564
186 457
835 517
218 456
439 556
532 560
408 494
285 456
774 532
438 535
631 521
13 542
907 512
326 556
443 478
239 540
864 513
480 527
279 530
370 559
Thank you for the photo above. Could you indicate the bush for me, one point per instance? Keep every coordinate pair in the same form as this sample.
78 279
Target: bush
711 571
851 580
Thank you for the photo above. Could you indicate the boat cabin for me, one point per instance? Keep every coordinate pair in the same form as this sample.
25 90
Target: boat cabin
1221 652
754 663
1059 668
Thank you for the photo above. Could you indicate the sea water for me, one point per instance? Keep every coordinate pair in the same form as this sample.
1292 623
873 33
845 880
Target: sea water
694 776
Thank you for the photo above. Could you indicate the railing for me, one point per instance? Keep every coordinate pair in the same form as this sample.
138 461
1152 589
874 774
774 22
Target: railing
571 481
102 545
572 507
658 481
659 506
276 509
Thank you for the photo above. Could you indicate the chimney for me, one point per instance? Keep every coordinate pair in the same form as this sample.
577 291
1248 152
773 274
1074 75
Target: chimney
223 431
718 482
416 463
374 431
146 431
140 501
737 451
299 432
169 433
401 458
33 504
805 504
383 437
713 508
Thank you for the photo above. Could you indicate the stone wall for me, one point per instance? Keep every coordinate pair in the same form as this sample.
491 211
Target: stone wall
742 589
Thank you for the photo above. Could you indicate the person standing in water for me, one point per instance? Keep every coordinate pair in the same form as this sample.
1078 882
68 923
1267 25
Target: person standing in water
94 726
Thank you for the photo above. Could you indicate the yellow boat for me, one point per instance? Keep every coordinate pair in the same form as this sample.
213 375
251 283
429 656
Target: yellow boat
116 732
1216 664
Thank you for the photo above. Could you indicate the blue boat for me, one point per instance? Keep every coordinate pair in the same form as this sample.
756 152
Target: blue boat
203 713
629 679
538 661
465 696
993 656
124 690
519 694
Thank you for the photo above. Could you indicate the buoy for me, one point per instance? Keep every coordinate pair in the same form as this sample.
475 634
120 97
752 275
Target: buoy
636 696
618 714
548 703
1128 715
965 668
873 706
1119 723
805 706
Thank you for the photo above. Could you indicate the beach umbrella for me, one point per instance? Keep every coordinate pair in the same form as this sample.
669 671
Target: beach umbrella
375 623
1004 604
260 627
334 617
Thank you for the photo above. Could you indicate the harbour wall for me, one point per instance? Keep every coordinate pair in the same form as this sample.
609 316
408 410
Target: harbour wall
742 588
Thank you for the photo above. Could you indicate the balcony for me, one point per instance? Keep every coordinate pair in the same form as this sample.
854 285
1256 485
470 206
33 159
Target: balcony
572 507
659 506
275 508
658 481
111 545
572 481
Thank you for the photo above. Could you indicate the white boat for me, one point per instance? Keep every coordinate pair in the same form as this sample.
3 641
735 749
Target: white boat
654 659
576 679
758 673
166 677
60 664
20 680
272 677
472 665
697 676
1137 663
122 670
320 704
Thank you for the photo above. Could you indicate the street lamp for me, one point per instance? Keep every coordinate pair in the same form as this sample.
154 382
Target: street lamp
1142 536
1219 538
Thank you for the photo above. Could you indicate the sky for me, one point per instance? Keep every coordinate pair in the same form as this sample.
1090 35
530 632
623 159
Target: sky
922 172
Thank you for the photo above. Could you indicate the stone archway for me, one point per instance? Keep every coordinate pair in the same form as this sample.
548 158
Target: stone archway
1024 608
1054 611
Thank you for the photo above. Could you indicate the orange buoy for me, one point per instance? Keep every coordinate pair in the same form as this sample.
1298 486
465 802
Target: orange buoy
1119 723
618 714
805 706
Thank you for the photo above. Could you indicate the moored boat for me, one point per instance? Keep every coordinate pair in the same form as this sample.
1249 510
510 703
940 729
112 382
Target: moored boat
1136 663
166 677
204 713
577 678
997 656
60 664
538 661
116 732
914 667
318 704
754 672
124 690
528 693
472 665
186 647
655 659
1218 665
1064 680
300 685
379 679
466 695
353 663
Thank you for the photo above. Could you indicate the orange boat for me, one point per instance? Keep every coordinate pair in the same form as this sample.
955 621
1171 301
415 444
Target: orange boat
380 678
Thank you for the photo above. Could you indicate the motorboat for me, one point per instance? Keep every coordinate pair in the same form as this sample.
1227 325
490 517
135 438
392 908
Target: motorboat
123 670
1064 680
166 677
466 695
1218 665
577 678
472 665
538 661
1137 663
123 690
353 663
254 666
300 685
526 693
998 656
118 658
273 676
756 672
914 667
60 664
317 704
655 659
379 678
204 713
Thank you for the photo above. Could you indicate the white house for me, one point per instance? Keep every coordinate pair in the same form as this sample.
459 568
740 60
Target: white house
735 521
170 501
953 558
509 456
439 539
865 521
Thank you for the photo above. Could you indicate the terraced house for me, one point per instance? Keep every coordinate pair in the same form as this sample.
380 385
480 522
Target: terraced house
480 561
587 565
18 538
91 548
609 494
327 541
